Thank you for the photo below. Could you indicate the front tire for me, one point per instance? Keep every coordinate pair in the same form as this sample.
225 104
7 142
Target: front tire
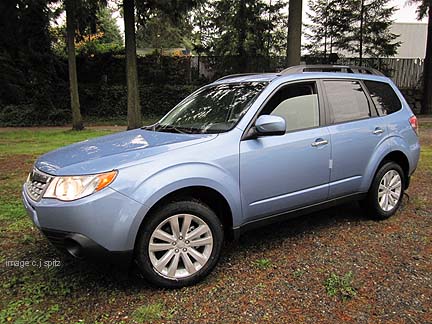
386 192
179 244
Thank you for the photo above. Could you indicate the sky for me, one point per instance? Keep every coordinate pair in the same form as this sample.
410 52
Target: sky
405 13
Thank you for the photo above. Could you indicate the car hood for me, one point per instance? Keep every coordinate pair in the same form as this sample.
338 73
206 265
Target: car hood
109 152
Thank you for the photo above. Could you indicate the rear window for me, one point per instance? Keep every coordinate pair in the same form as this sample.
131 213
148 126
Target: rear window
385 99
347 100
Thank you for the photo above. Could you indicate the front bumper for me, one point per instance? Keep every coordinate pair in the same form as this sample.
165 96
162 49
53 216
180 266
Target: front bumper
81 247
101 226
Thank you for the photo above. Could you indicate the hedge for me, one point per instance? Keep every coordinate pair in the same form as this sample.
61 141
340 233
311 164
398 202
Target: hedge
97 101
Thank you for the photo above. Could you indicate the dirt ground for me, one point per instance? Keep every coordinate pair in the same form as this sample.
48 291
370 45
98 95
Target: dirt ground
334 266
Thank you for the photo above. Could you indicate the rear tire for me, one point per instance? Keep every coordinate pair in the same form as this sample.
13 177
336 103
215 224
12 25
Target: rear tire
386 192
179 244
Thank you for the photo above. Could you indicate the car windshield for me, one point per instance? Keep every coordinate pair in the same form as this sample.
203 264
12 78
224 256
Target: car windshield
213 109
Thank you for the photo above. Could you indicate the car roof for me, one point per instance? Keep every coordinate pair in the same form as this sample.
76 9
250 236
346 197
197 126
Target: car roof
304 72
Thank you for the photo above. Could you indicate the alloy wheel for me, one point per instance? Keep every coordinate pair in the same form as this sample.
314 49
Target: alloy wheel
389 190
180 246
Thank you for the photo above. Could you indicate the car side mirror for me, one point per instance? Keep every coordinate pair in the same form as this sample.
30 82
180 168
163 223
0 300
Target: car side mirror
269 125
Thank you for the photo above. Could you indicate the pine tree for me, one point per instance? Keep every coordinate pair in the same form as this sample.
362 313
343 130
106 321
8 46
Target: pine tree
378 40
358 27
331 24
242 27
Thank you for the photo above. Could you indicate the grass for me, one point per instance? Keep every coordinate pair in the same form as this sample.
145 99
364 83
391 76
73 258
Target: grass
66 294
263 263
38 142
25 296
341 286
147 313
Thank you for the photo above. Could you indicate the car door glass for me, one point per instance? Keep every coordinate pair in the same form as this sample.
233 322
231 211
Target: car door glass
385 99
297 104
347 100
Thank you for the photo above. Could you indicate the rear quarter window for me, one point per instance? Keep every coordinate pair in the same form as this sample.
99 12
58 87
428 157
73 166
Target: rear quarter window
385 99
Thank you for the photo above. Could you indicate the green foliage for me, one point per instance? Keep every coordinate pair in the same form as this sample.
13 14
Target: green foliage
263 263
29 68
243 28
111 101
341 286
422 7
37 142
147 313
107 24
98 35
160 32
330 23
100 101
336 28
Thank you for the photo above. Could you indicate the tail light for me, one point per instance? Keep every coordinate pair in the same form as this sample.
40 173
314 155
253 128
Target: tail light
414 123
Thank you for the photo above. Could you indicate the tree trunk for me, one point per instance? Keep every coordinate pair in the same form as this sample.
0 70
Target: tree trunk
133 108
294 32
361 33
427 74
241 34
77 123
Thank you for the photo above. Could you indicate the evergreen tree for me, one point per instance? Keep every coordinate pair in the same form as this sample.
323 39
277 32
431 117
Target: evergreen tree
375 35
358 27
160 32
107 24
28 76
331 22
241 27
176 11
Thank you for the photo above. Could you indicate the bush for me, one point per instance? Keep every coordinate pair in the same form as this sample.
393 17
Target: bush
111 101
97 101
28 115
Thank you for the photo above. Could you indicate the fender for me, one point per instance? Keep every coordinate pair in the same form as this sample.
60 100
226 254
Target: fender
385 148
189 174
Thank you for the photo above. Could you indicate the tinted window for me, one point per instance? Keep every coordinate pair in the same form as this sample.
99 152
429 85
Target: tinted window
297 104
347 100
385 99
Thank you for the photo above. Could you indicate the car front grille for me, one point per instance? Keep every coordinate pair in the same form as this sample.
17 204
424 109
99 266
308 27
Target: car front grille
37 184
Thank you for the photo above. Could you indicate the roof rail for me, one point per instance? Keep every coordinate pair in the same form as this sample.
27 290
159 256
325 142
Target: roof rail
330 68
235 75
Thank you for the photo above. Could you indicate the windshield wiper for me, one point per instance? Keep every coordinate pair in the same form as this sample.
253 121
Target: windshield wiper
151 127
172 128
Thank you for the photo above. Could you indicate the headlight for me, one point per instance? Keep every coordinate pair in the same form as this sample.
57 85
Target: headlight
75 187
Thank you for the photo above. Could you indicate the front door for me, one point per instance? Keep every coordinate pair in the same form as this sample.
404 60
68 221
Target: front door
282 173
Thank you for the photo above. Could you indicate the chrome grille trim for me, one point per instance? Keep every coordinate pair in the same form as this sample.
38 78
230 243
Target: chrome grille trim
37 184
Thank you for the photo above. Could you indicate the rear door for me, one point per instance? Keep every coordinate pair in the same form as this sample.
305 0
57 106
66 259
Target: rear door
355 132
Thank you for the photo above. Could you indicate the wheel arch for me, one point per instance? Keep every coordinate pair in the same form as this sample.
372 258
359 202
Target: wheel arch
205 194
396 156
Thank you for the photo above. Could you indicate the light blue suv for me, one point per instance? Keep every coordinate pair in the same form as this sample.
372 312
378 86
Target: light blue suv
241 152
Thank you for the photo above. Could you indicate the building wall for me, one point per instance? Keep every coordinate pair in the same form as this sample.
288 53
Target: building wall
413 37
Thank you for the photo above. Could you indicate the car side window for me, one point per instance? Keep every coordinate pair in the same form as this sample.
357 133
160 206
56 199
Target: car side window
297 104
385 99
347 100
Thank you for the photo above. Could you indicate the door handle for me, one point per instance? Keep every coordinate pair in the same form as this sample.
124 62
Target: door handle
378 131
319 142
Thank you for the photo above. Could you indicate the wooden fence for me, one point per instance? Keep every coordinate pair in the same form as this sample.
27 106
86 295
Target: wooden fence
406 73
